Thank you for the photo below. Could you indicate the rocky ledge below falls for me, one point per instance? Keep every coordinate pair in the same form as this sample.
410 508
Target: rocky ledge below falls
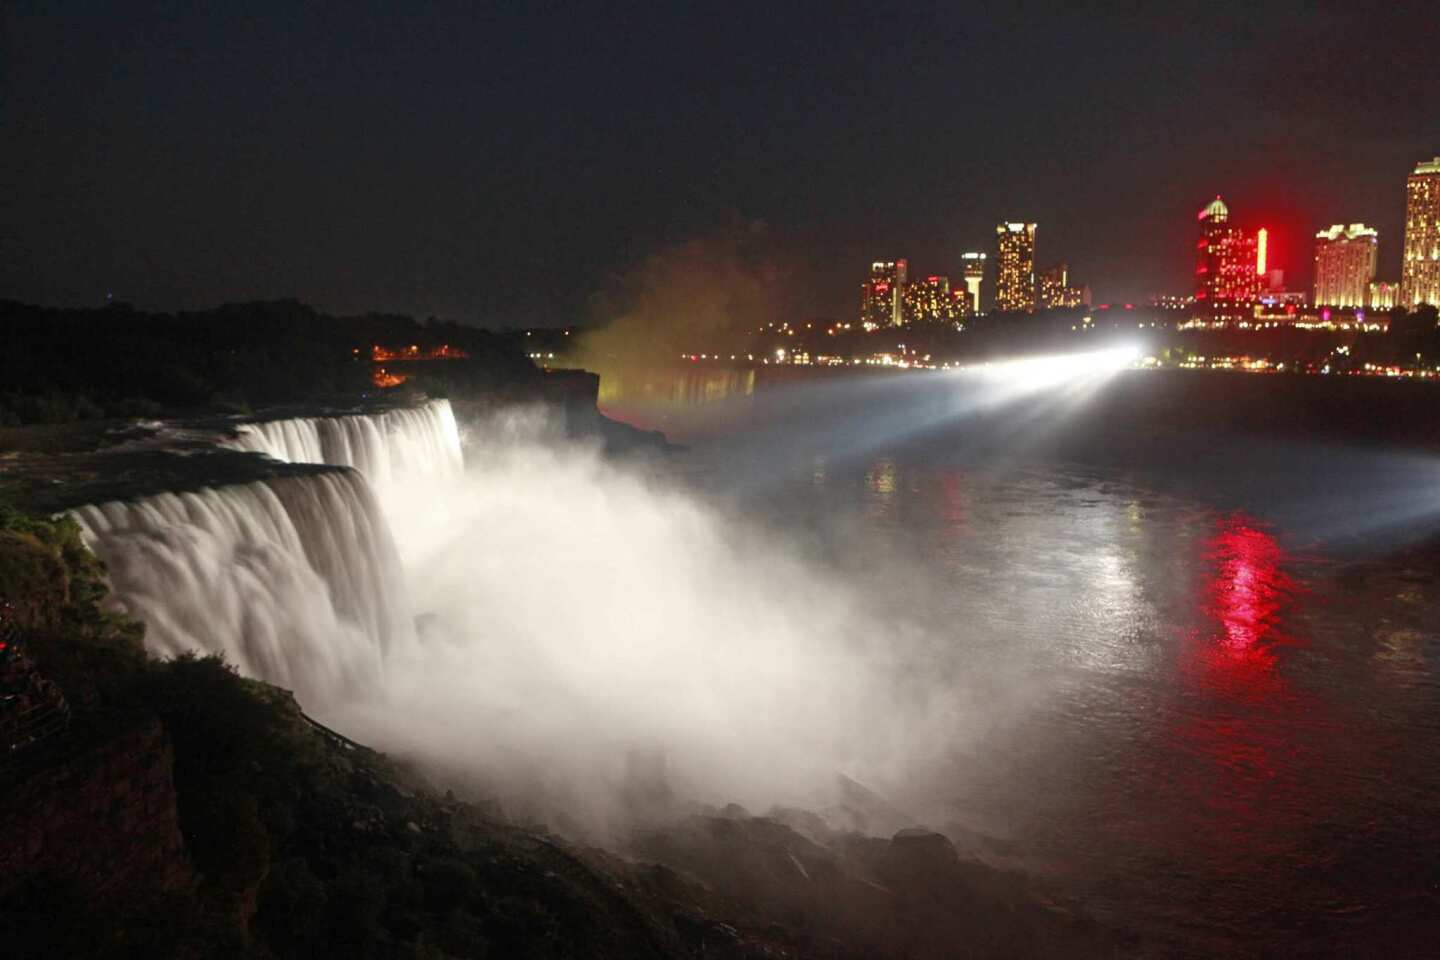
300 843
176 809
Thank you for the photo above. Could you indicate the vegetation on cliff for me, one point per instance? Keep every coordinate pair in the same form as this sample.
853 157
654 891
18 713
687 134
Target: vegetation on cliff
55 586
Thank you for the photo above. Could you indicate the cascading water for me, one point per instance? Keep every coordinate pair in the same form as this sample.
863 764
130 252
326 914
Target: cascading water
398 444
617 638
296 580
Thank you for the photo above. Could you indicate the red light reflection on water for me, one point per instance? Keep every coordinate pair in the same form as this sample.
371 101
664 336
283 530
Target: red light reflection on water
1246 593
953 499
1234 777
1257 761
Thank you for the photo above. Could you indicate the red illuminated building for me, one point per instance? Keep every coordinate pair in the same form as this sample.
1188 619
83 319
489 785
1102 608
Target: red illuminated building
1229 266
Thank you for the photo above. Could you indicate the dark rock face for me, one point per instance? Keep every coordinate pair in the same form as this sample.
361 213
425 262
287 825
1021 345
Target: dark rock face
919 858
32 708
847 895
103 821
354 855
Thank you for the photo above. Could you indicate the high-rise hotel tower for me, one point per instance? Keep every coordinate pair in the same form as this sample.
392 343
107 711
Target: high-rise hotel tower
1420 271
1015 268
1344 265
882 297
1229 265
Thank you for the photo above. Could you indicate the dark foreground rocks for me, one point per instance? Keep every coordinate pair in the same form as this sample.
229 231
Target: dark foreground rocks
294 842
829 894
176 809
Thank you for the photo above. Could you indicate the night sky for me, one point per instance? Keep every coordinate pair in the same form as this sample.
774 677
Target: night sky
497 165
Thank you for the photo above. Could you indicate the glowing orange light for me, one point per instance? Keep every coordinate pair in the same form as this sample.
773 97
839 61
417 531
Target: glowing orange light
1261 242
384 380
443 352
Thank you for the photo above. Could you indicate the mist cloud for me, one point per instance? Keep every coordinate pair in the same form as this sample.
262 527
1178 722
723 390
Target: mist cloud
690 297
593 640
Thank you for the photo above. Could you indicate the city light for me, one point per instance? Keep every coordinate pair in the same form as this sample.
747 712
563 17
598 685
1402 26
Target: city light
1420 265
1239 289
1345 260
1015 268
1225 271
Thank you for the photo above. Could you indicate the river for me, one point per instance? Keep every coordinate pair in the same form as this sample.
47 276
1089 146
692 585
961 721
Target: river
1199 672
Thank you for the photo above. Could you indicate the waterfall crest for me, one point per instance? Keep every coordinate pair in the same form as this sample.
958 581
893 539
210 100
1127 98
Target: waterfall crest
386 447
295 580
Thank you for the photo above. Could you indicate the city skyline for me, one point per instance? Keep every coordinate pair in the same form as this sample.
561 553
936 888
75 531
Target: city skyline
373 160
1234 268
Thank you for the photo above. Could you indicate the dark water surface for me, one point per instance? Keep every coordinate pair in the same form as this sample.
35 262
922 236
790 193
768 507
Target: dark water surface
1213 659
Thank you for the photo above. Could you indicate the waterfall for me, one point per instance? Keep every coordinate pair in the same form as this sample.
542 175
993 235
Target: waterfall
295 580
386 447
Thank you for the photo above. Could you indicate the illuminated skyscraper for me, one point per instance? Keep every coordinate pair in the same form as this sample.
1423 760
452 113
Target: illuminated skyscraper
930 301
1420 272
1055 289
974 276
1228 268
882 297
1015 267
1344 265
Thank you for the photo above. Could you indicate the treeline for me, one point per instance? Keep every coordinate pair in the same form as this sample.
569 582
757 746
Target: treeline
60 365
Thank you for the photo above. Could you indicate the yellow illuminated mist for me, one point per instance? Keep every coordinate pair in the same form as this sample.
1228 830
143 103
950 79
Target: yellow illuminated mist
704 295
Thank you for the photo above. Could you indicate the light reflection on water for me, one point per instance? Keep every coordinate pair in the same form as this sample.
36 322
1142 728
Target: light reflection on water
1205 762
1222 768
882 478
1197 728
654 397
